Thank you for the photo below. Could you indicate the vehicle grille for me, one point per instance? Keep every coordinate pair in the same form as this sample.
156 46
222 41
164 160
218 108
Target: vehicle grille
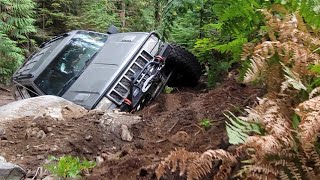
121 88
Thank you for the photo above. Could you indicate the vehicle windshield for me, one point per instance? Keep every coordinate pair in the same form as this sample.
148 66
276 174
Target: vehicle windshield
70 62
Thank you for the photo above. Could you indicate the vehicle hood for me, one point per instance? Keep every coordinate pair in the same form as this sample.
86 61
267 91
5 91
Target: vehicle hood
105 68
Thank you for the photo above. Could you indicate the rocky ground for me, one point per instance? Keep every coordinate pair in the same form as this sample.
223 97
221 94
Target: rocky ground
128 150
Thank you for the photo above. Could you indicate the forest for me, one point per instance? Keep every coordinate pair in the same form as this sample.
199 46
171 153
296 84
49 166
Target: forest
270 44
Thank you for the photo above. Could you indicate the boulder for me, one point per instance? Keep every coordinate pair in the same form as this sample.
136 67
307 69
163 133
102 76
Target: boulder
41 106
125 133
11 171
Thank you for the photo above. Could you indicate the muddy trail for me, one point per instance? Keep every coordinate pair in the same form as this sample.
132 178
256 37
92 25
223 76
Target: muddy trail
172 121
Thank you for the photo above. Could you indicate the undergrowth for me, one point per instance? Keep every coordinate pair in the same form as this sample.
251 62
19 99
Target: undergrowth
278 138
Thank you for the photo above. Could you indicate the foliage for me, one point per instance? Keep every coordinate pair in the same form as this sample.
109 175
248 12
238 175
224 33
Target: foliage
308 9
52 16
238 22
289 147
16 23
88 19
225 35
238 130
170 10
206 123
58 16
168 90
195 165
272 145
68 166
184 32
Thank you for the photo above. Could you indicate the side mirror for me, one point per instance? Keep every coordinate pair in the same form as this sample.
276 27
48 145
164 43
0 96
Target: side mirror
112 30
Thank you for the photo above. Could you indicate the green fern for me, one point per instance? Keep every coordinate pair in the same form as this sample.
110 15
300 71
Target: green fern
68 166
238 130
310 11
16 22
293 79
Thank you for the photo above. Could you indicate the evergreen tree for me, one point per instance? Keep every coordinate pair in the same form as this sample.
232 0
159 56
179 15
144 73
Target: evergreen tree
96 15
16 22
53 15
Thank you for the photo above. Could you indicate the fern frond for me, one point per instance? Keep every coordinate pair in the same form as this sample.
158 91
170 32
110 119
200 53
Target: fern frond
223 173
259 171
263 145
310 173
293 170
283 175
309 111
293 79
177 158
252 73
247 51
195 165
261 54
238 129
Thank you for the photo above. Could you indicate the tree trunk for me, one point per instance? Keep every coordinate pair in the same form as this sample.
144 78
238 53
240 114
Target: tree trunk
123 14
201 35
156 14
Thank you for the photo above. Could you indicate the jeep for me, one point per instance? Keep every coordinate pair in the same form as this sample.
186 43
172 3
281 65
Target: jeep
106 70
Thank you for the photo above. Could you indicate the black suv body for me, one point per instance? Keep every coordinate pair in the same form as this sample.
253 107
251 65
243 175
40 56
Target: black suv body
96 70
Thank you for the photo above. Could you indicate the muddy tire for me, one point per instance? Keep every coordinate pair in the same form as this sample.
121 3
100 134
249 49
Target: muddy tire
186 68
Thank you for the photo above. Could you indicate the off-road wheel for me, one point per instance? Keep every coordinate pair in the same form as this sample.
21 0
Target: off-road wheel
185 66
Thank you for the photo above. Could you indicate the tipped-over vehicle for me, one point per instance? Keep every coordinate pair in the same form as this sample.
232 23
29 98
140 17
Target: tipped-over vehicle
106 71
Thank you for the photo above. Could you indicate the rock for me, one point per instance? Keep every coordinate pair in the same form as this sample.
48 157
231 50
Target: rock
2 159
38 106
180 138
99 160
33 133
104 155
11 171
114 156
85 150
108 121
137 118
50 177
49 129
38 117
41 134
55 113
55 148
40 157
88 138
2 131
125 133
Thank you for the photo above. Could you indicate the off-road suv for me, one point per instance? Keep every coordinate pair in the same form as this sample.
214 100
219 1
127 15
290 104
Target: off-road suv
106 71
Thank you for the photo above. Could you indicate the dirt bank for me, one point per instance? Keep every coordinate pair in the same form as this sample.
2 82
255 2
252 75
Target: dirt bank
172 121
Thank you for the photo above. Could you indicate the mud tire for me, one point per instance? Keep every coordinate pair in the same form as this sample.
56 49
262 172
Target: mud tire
186 67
